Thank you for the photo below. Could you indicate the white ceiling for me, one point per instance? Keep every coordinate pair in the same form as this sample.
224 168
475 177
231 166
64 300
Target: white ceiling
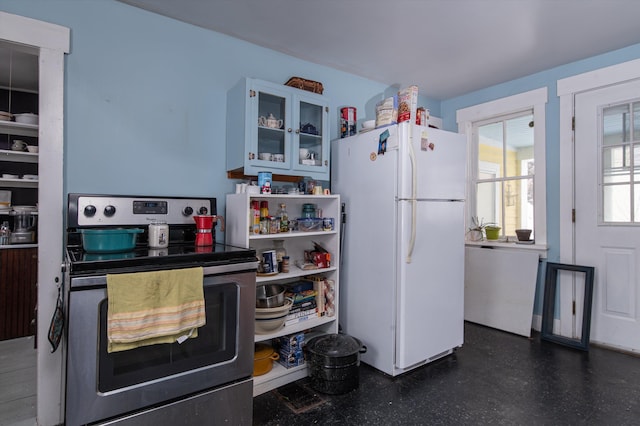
446 47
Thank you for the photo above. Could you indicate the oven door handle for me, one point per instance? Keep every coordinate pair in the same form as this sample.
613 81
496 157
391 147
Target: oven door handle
231 267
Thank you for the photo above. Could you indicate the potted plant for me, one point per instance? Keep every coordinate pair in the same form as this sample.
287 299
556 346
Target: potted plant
476 230
492 231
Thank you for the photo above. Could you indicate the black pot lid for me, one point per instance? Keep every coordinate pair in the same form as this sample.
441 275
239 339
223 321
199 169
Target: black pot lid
334 345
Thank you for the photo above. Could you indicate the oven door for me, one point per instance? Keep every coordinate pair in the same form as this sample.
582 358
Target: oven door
103 385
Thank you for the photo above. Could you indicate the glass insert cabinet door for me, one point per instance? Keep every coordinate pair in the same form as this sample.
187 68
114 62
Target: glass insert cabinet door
272 138
310 149
291 129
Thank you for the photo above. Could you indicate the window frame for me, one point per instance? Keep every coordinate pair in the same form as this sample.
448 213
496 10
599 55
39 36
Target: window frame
534 100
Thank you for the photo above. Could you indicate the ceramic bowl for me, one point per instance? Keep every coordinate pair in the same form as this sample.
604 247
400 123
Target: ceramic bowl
268 325
33 148
369 124
273 313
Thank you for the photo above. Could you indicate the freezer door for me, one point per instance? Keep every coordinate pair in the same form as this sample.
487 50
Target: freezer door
440 163
430 303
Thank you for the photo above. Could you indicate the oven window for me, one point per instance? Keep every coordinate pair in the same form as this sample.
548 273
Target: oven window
216 343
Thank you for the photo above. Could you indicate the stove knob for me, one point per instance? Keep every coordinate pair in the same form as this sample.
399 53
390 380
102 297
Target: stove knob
187 211
203 210
90 210
109 211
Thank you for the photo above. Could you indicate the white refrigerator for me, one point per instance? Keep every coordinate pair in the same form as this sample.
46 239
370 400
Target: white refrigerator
402 282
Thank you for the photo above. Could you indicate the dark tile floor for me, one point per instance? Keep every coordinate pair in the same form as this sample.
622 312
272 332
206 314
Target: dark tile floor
495 378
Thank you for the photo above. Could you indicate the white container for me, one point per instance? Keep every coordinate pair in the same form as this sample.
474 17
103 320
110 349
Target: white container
158 235
26 118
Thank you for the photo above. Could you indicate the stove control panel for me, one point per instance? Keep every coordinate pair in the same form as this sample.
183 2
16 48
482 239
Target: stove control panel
112 210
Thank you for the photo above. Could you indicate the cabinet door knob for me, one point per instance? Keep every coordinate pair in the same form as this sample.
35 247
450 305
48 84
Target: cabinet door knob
297 131
326 162
252 156
289 130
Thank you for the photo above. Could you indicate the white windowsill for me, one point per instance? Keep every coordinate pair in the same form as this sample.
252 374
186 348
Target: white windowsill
510 245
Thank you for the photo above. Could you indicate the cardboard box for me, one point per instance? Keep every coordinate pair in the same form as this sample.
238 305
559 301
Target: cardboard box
291 359
290 343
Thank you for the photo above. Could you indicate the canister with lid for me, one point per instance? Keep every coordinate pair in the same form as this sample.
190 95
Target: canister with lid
158 234
308 211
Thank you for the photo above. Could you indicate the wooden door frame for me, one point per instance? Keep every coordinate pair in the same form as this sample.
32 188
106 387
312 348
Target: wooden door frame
567 89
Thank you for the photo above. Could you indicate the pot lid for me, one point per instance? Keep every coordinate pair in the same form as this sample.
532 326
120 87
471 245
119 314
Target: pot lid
262 351
334 345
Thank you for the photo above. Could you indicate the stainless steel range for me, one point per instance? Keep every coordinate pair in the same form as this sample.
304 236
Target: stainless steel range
203 380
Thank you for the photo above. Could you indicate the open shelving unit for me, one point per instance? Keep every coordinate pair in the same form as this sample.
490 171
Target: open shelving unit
238 233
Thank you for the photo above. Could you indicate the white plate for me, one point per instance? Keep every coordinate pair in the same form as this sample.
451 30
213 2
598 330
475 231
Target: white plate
25 208
30 177
9 176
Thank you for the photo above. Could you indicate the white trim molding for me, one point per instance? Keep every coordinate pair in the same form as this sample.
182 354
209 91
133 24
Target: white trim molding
50 43
535 99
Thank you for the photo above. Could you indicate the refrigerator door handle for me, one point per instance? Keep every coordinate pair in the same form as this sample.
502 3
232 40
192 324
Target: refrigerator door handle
414 194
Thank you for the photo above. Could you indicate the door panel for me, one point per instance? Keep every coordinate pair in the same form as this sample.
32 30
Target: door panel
431 287
607 235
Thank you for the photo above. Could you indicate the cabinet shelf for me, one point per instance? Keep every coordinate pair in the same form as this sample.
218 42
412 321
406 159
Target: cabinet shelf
286 235
294 272
295 328
278 376
18 156
18 183
18 129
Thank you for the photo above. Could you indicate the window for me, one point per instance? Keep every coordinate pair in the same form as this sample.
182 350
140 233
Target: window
620 159
506 140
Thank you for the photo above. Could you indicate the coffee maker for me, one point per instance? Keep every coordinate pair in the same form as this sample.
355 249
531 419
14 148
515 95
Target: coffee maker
25 224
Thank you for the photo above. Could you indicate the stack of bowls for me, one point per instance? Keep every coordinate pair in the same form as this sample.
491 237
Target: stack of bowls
271 308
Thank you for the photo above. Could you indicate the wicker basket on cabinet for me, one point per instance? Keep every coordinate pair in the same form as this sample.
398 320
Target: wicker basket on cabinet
304 84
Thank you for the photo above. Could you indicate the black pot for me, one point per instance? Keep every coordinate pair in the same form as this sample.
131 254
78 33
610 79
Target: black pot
334 361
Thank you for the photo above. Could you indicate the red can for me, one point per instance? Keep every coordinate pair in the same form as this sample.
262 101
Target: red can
348 114
348 120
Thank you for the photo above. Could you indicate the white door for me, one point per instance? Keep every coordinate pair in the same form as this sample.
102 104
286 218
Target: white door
607 203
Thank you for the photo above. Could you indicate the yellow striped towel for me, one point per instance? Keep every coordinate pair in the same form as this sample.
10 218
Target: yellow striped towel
147 308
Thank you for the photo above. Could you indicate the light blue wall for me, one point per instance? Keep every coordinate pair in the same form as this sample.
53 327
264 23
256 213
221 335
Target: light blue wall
145 100
145 97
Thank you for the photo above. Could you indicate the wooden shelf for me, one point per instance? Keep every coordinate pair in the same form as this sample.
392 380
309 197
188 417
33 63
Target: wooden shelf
18 156
239 174
18 129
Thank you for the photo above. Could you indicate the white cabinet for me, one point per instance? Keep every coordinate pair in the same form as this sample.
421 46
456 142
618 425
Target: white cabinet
277 128
238 219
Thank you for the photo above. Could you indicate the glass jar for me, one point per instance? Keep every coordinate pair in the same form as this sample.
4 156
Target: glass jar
264 225
283 217
308 211
274 225
5 233
285 264
281 252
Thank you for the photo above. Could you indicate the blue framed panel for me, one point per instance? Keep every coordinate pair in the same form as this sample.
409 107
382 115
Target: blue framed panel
549 305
